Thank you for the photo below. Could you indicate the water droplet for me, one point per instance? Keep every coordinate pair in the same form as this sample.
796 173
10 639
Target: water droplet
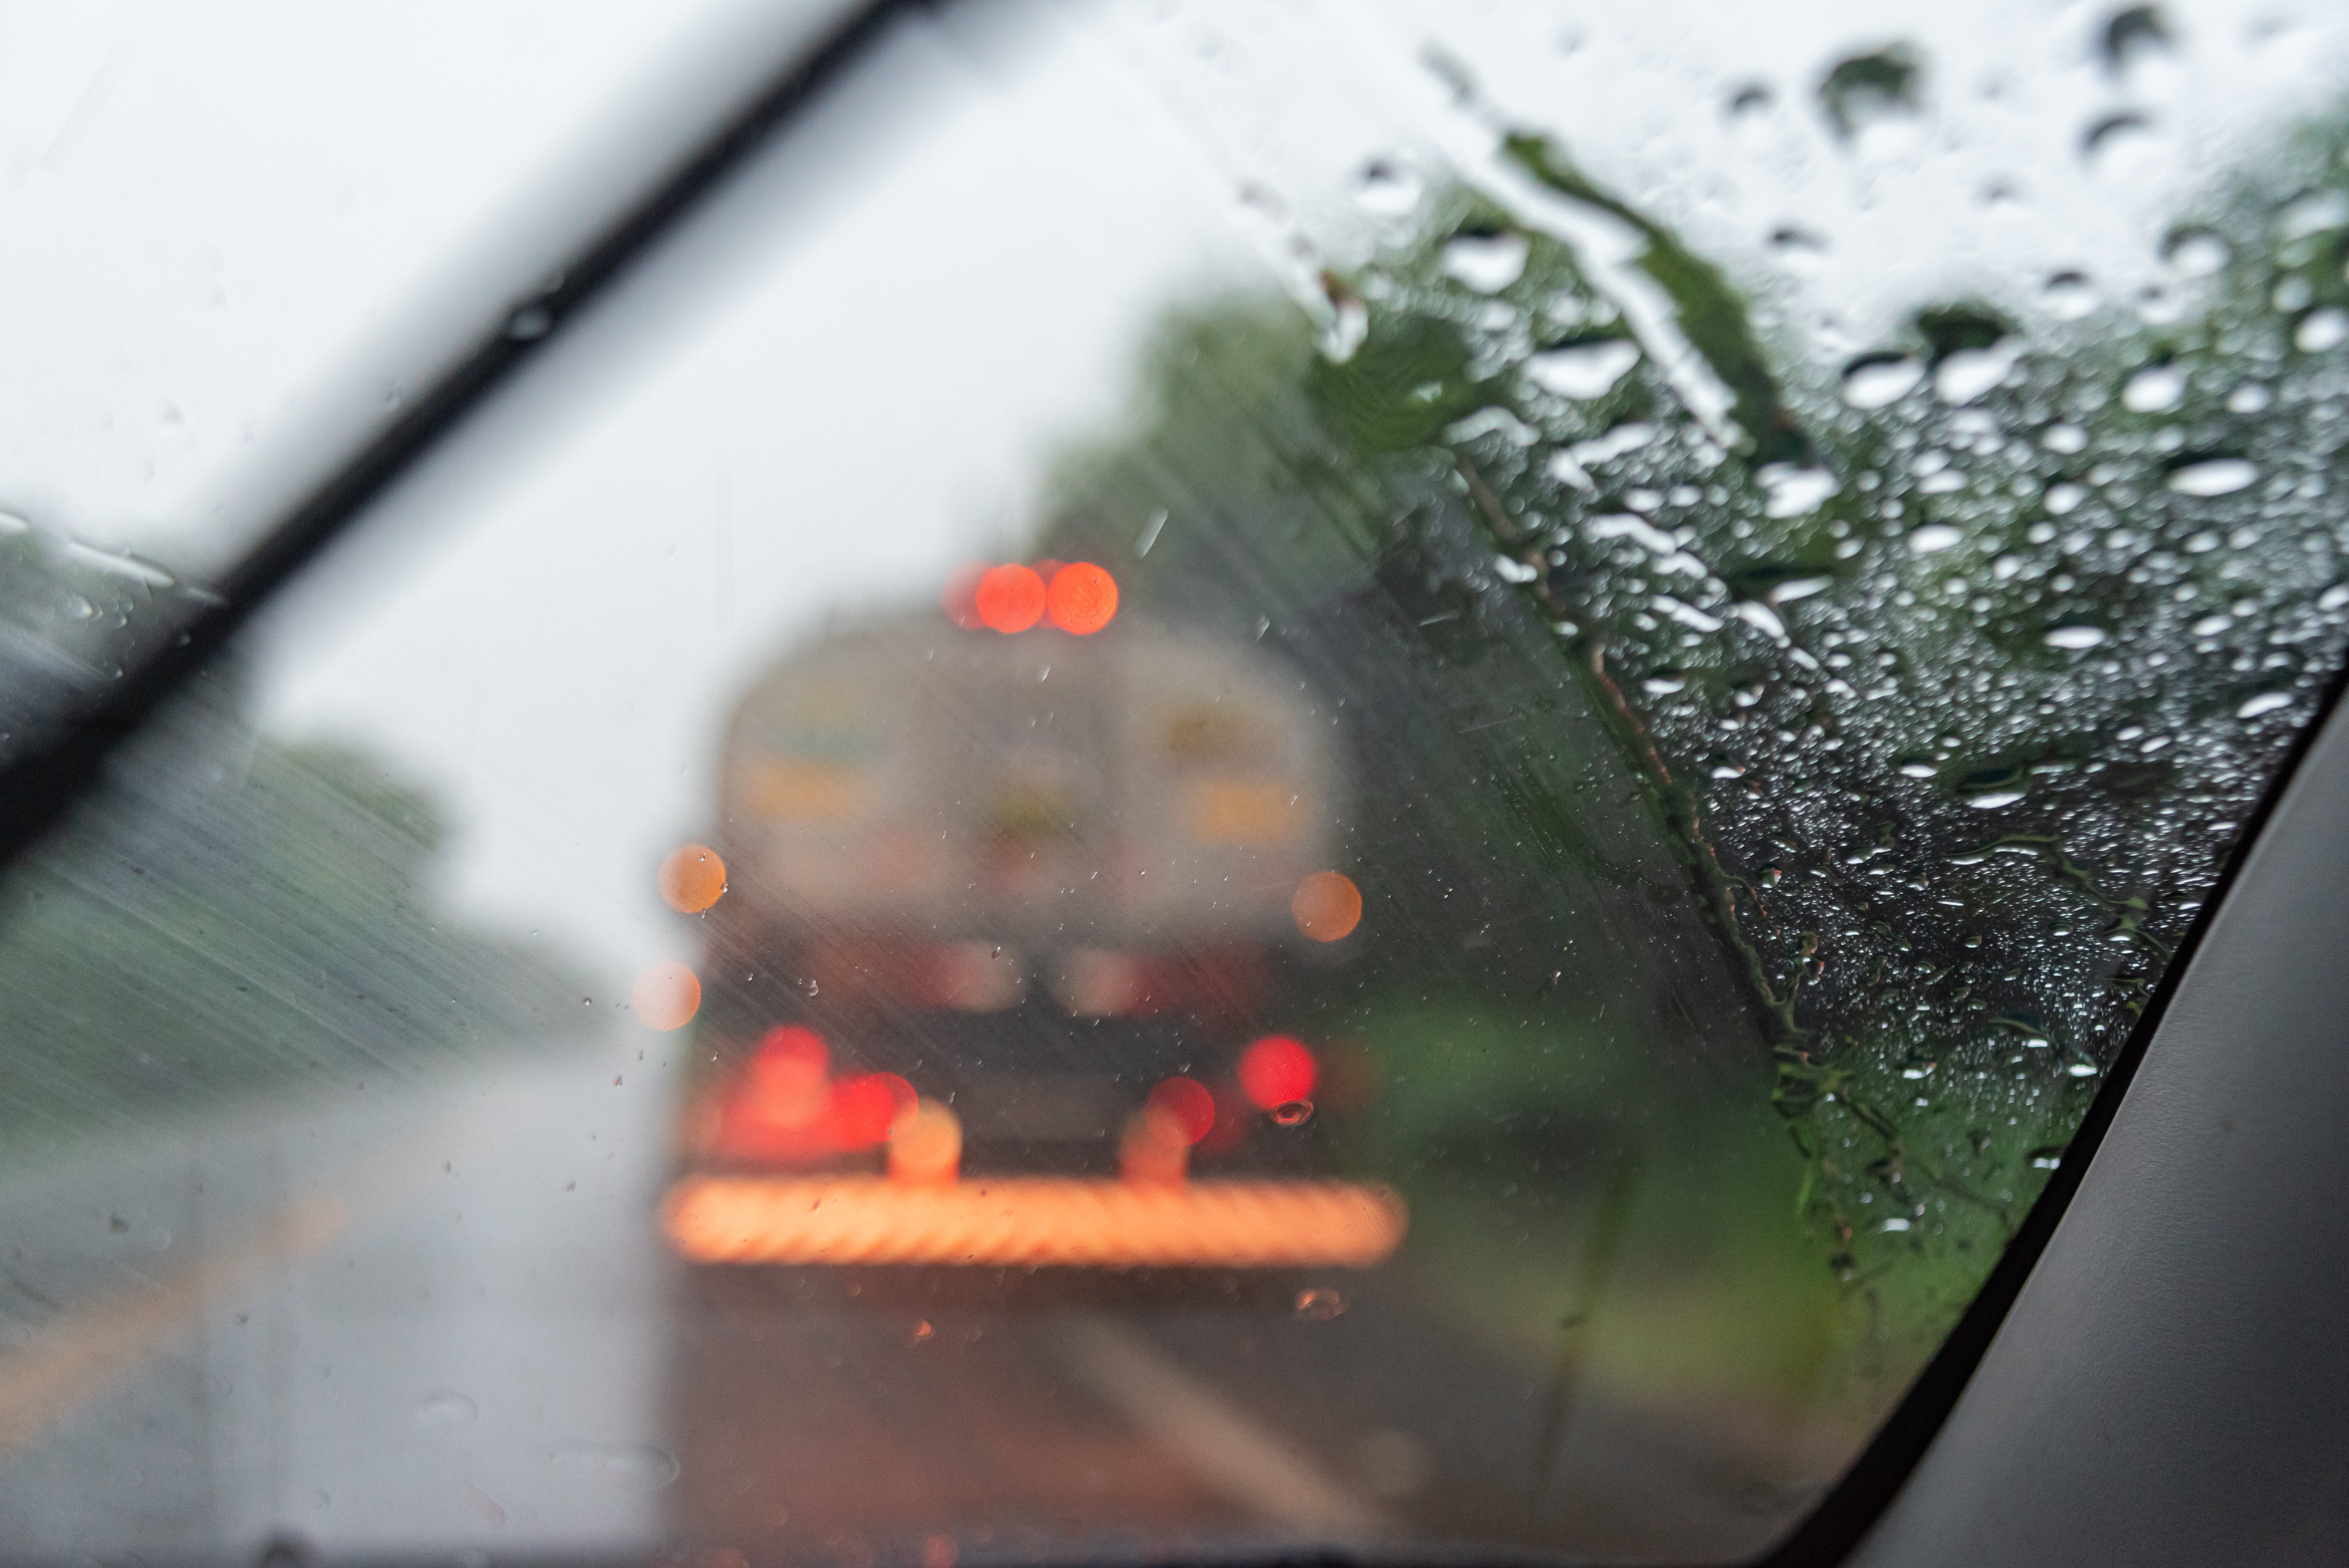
1295 1113
2132 34
1485 263
1320 1305
2250 398
1967 374
1896 1225
2314 214
2196 253
1991 799
444 1410
2213 476
2064 499
2078 637
2113 134
2156 390
1876 380
924 1331
2322 329
2064 439
2266 702
1793 492
2070 296
1583 371
1387 188
1866 90
1933 537
2082 1069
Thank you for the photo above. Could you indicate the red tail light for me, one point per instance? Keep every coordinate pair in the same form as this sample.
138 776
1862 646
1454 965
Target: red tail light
1277 1071
1187 1105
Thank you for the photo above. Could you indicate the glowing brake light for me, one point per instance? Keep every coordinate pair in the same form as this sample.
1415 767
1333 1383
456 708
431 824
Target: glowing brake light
864 1109
1187 1107
1277 1071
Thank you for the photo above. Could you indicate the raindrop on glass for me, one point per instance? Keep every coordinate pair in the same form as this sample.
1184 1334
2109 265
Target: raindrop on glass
2156 390
2213 476
1880 379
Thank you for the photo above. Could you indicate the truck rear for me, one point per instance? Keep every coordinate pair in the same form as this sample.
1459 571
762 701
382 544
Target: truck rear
996 976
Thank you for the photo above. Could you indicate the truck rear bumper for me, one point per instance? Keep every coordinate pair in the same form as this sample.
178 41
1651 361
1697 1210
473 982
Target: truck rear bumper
1032 1221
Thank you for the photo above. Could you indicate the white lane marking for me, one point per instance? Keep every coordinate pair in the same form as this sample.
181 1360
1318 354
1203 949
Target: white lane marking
1225 1449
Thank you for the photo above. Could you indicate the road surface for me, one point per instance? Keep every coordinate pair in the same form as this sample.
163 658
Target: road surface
425 1317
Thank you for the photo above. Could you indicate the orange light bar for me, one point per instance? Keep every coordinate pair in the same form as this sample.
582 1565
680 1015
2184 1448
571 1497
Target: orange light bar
1044 1221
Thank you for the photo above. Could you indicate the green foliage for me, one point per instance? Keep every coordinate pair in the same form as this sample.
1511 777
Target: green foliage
234 915
1938 711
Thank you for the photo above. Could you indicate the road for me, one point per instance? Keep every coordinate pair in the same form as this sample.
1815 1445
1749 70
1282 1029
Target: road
423 1317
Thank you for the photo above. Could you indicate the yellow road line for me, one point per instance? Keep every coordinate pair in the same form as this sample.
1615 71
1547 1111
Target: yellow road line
81 1354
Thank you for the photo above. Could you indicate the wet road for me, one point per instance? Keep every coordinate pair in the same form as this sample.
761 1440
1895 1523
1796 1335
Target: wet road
428 1318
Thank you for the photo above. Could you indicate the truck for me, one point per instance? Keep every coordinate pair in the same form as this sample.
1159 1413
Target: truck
1008 898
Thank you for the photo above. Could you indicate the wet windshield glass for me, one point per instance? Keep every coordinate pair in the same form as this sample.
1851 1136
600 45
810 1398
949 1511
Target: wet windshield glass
1210 783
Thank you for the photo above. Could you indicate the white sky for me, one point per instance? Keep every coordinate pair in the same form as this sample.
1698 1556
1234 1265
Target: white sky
233 226
844 379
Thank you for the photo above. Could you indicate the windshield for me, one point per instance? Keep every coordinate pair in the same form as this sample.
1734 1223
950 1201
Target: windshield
1211 784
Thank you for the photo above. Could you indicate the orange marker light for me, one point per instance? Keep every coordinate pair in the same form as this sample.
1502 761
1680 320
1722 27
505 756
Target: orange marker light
667 995
1185 1105
1082 598
999 1221
1010 598
692 878
1277 1071
1328 906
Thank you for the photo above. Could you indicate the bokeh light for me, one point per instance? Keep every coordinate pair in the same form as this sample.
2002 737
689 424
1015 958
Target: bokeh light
1010 598
1277 1071
1185 1105
1013 1222
790 1077
867 1108
1328 906
1082 598
667 995
926 1144
692 878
